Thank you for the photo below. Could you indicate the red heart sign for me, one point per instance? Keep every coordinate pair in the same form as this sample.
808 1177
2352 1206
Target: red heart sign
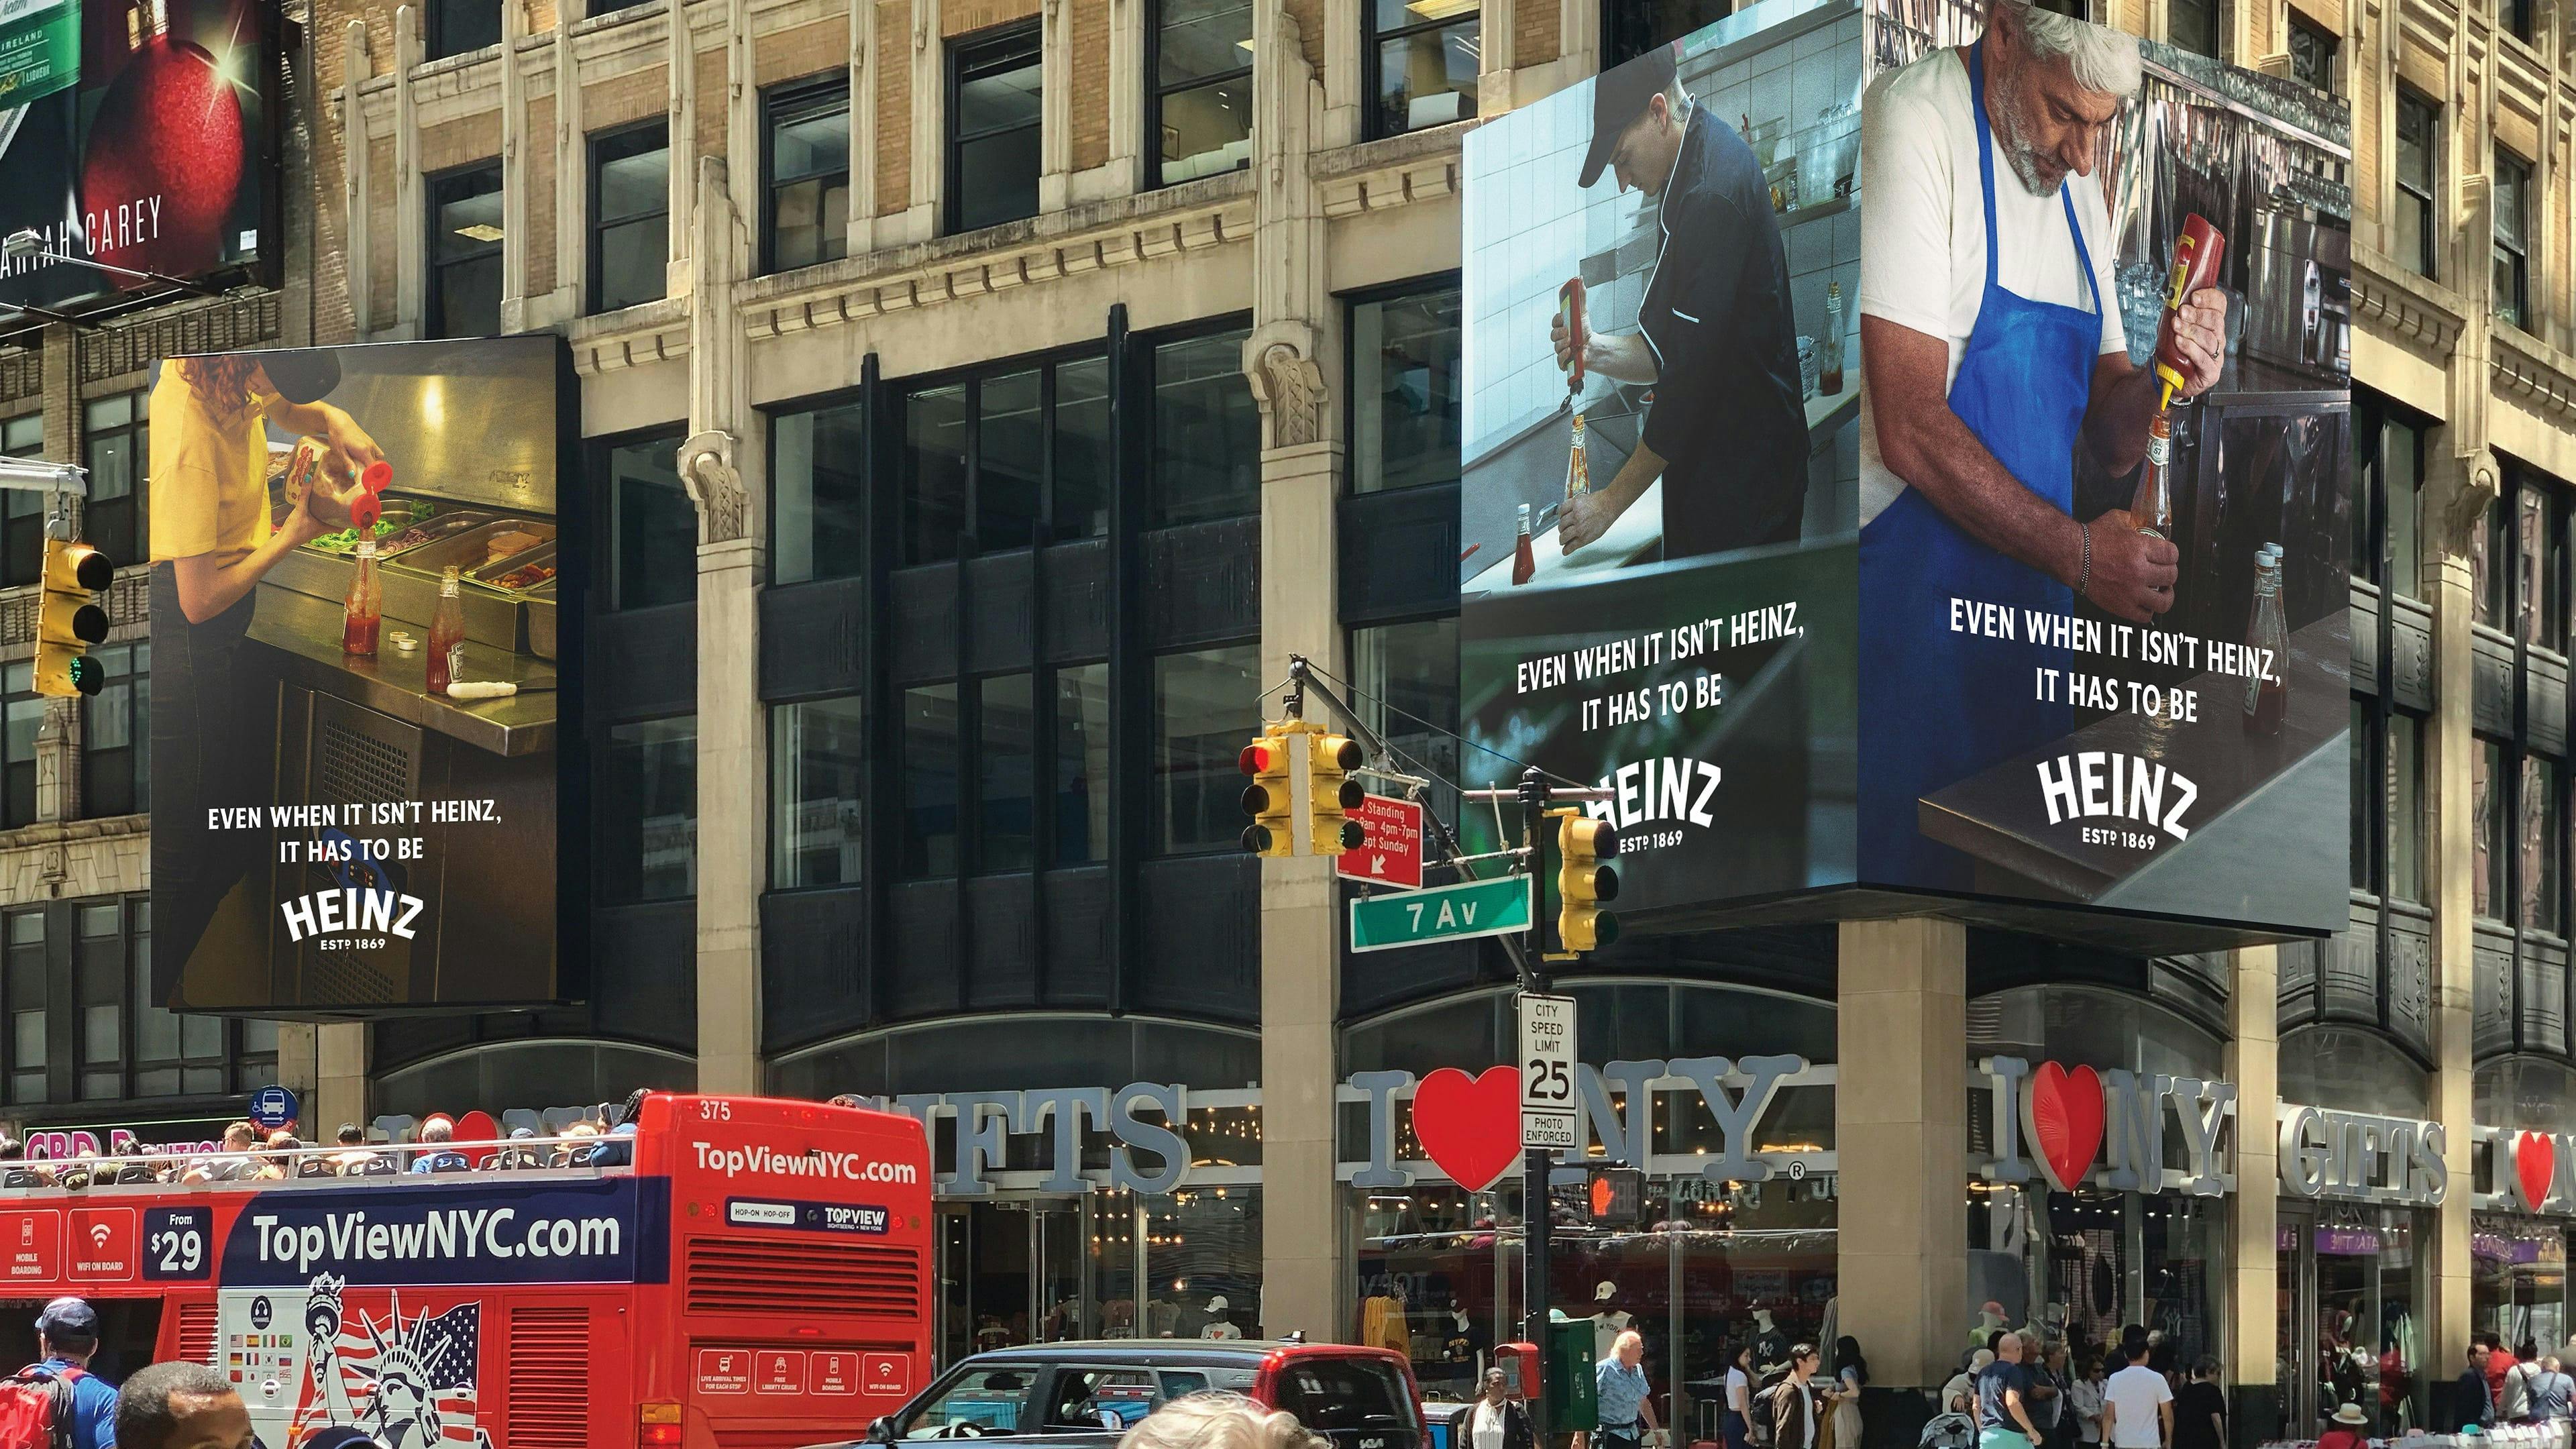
2535 1164
2063 1113
1470 1126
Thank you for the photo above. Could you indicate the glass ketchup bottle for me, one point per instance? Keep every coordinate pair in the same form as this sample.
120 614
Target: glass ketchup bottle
364 612
1524 560
446 635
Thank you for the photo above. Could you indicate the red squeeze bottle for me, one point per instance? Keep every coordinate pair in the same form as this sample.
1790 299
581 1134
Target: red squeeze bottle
1569 300
2197 253
369 507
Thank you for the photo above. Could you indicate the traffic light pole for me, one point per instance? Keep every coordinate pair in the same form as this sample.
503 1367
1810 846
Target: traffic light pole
1538 1219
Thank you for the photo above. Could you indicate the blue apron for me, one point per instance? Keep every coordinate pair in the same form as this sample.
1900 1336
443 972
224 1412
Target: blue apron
1940 706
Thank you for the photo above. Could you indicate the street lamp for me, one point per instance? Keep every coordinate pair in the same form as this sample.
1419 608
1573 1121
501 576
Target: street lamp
28 244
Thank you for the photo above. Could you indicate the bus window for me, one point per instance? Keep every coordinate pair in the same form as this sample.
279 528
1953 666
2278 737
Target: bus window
1339 1394
990 1399
1099 1398
1180 1382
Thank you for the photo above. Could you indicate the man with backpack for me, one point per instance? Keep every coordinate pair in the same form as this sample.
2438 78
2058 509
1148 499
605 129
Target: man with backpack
59 1403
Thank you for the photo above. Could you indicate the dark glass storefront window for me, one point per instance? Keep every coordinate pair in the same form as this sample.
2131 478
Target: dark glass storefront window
647 807
25 988
1404 682
817 775
1207 431
2542 834
994 110
2407 847
99 978
116 439
993 447
1206 703
806 207
630 216
1005 771
930 781
2487 820
818 476
1405 385
2365 862
2540 566
652 526
2419 138
1423 59
1202 93
1082 764
2388 498
22 510
116 734
465 252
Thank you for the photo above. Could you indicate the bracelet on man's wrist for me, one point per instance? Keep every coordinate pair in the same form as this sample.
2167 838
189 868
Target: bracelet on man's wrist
2084 570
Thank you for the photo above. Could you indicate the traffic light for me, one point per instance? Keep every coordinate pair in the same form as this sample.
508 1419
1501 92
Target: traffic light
1331 794
1583 883
1266 798
70 619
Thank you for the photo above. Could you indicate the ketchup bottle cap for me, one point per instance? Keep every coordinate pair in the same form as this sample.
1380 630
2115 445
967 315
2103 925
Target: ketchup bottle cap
365 510
379 476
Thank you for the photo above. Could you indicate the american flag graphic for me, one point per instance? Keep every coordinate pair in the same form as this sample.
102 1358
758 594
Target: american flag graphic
409 1383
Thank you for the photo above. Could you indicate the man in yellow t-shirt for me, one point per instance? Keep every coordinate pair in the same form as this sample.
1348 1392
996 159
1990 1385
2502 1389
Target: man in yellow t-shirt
213 718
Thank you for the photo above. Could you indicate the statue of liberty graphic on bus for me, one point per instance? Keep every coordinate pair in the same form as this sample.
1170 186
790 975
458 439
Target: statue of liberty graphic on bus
406 1382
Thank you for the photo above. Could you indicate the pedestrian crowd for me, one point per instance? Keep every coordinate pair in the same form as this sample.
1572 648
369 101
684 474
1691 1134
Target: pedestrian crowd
2520 1385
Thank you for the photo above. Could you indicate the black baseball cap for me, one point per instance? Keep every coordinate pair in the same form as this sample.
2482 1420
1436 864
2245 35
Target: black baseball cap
70 1318
1619 97
302 374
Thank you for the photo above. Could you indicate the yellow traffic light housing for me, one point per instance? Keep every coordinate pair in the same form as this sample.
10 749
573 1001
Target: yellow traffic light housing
1583 883
70 619
1331 794
1266 799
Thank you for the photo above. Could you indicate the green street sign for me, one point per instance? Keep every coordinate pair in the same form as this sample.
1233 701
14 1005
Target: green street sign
1442 913
39 49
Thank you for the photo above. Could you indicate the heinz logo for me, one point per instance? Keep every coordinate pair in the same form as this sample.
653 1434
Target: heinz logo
2097 783
332 913
1665 789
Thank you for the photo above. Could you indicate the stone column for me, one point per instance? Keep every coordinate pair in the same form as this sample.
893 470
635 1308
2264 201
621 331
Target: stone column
572 160
2458 489
354 146
1301 455
411 219
1901 1139
1498 55
680 55
723 463
514 168
2253 1063
339 1078
929 123
1055 99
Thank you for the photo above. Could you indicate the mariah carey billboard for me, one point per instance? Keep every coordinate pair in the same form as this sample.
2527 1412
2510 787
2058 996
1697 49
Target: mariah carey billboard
155 165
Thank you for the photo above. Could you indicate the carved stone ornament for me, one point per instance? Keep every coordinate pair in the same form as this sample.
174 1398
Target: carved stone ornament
707 470
1289 387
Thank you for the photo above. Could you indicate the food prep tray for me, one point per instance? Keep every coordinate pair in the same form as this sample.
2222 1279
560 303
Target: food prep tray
498 575
470 551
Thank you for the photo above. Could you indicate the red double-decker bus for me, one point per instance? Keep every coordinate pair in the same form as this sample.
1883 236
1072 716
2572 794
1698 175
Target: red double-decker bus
759 1276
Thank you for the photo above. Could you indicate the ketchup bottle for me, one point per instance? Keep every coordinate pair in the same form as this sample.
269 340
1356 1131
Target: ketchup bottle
363 613
446 635
1524 560
2197 254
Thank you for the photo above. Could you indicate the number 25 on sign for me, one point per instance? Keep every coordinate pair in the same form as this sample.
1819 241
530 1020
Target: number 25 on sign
1547 1070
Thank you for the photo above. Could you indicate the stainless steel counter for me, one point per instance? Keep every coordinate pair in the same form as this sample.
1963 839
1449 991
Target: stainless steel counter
305 632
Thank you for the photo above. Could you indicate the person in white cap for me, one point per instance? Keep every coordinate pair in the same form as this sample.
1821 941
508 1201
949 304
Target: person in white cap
1218 1325
2349 1428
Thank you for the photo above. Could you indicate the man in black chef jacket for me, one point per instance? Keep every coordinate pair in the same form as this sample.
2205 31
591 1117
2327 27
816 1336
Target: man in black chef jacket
1727 430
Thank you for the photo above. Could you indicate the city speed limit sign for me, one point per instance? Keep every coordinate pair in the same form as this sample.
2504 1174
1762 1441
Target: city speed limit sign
1548 1100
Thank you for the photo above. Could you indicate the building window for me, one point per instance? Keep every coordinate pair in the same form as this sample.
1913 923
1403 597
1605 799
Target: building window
465 252
652 526
25 984
115 441
2193 25
2312 53
2540 566
2491 568
817 775
98 977
818 474
1206 704
22 516
994 111
1405 386
1632 27
2487 819
1081 764
2512 238
116 734
2515 17
930 785
2419 136
2407 812
1008 451
1424 55
1207 432
24 712
2541 834
1202 121
630 216
647 808
1404 683
806 214
2387 515
1006 773
458 27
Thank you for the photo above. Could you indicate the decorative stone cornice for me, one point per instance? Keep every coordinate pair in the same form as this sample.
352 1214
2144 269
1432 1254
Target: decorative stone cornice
1377 175
230 324
2533 375
2413 312
637 337
1197 216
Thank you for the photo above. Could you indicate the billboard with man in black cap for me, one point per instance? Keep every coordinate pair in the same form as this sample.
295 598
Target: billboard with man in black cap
355 588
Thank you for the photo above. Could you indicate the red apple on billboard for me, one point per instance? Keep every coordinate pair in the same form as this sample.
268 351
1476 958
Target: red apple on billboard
164 160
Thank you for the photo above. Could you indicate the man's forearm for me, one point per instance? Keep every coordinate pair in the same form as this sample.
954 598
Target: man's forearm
2115 424
1625 359
1923 441
1634 476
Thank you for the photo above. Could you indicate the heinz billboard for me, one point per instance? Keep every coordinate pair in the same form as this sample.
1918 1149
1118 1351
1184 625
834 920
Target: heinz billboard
366 579
157 160
1863 490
